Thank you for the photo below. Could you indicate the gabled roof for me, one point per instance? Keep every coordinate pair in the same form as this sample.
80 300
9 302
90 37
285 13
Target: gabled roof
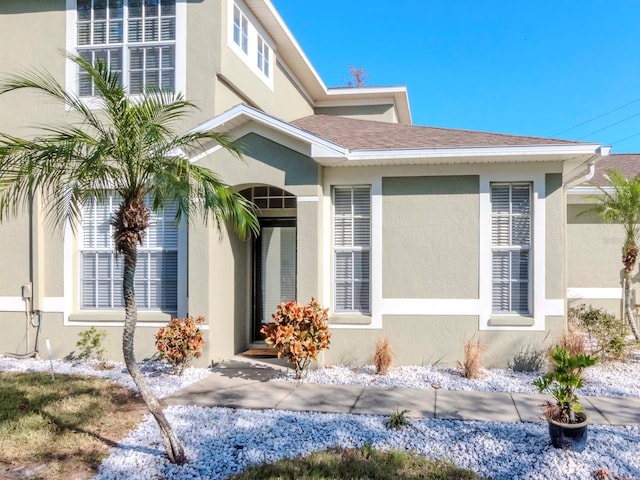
356 134
338 141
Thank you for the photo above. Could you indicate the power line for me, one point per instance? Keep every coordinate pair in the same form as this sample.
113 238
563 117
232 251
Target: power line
626 138
597 117
611 125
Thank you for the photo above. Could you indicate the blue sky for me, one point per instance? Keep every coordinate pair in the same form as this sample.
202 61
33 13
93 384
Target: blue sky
536 68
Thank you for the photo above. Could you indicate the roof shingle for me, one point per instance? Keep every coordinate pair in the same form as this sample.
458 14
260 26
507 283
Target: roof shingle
626 163
356 134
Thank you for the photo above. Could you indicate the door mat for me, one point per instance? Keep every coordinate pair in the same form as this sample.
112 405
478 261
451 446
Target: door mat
261 352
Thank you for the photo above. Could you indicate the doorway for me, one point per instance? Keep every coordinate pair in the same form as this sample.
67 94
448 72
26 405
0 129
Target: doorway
274 270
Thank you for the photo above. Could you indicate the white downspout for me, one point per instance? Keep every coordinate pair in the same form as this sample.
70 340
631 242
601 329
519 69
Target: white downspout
579 180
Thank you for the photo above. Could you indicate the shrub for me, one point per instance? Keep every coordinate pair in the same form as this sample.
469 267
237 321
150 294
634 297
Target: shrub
383 357
573 342
298 333
472 359
528 360
606 334
91 345
180 342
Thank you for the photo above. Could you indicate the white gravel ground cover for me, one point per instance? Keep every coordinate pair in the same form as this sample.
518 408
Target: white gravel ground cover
221 441
157 373
615 379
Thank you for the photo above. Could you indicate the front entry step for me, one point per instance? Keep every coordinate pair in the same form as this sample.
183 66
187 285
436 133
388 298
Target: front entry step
261 353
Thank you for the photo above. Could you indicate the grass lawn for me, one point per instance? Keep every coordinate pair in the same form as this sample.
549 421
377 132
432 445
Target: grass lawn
361 464
62 428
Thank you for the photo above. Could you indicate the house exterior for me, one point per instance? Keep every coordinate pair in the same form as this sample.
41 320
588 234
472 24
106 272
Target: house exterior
429 236
594 251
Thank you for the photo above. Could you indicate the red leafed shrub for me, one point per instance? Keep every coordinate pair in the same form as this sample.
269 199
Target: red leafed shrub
180 342
298 332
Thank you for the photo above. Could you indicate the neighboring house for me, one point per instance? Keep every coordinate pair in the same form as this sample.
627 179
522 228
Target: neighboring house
594 251
429 236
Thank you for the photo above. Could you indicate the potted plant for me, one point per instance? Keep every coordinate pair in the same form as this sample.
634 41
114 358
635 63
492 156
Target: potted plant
566 417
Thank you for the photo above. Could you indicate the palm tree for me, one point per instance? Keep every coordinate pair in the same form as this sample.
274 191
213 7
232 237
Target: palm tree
620 203
129 146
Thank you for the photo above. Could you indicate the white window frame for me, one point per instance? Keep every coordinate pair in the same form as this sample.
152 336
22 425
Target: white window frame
143 250
540 305
240 29
511 247
264 57
179 46
336 249
253 56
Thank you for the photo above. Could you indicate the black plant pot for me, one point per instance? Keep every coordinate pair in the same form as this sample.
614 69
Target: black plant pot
569 436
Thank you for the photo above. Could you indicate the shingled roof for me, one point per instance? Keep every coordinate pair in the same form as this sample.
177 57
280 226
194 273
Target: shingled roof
626 163
356 134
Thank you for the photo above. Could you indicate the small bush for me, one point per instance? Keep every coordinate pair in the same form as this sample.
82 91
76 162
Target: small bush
398 419
606 333
299 333
383 357
91 345
472 359
573 342
180 342
529 360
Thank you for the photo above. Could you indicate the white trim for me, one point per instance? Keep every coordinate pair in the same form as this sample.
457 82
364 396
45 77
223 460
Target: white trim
53 304
18 304
12 304
595 293
307 199
139 324
527 150
180 71
349 178
537 281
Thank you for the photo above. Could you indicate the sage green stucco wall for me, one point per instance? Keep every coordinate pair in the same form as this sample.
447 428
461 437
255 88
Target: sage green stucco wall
555 283
430 237
285 101
438 340
593 250
380 113
594 259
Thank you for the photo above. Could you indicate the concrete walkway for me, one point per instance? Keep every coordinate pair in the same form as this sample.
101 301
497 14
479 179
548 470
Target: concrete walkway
244 384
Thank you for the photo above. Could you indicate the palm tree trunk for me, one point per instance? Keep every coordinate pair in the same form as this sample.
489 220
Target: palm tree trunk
172 444
627 304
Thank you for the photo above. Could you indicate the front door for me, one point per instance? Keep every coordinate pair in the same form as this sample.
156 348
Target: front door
274 269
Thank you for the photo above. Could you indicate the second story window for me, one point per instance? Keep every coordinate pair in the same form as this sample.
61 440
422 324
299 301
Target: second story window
135 38
263 56
240 29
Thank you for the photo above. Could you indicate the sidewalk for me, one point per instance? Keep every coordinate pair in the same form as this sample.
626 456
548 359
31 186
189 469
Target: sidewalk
244 384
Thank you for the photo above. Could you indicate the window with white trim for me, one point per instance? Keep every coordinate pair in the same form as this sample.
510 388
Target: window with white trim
240 29
135 38
352 249
156 277
511 248
263 56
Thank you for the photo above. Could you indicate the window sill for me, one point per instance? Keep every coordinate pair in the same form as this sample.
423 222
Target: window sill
350 319
117 316
511 321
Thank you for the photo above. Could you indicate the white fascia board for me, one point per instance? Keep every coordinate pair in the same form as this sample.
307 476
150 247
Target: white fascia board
320 147
589 190
473 152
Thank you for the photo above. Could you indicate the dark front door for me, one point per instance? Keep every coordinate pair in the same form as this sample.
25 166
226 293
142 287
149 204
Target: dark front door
274 269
